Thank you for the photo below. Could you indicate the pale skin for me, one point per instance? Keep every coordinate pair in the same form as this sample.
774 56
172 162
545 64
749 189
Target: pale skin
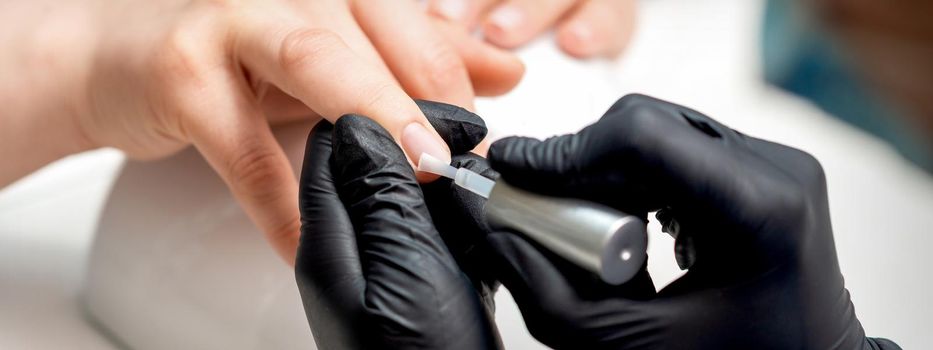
153 77
583 28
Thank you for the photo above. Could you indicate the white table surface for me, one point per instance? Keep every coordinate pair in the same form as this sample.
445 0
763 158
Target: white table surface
699 53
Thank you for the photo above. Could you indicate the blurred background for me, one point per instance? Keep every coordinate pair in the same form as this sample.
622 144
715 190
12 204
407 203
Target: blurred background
100 253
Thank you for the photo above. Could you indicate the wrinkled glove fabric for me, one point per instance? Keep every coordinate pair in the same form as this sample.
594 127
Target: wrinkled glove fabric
751 220
372 269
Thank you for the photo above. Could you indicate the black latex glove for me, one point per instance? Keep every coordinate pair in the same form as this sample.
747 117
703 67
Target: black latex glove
750 215
372 270
458 215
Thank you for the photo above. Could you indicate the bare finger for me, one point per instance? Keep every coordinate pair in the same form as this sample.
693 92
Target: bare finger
493 71
426 65
227 126
516 22
598 28
315 66
463 12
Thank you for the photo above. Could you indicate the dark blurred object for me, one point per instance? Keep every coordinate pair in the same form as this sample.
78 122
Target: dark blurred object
869 63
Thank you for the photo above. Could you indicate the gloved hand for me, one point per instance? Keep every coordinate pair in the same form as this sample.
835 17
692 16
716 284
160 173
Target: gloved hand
458 215
751 220
372 269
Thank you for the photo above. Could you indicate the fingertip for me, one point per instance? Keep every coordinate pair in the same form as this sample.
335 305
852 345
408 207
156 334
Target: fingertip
286 241
500 152
547 167
453 10
598 28
417 140
466 13
516 22
494 152
493 71
576 38
423 62
504 26
507 156
503 72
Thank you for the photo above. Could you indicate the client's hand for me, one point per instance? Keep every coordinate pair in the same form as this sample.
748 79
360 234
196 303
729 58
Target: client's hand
153 77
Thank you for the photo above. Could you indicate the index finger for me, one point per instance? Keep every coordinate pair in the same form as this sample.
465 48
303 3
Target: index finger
315 66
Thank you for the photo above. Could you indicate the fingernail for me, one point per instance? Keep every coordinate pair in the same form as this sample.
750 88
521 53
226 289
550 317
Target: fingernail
452 9
577 39
507 17
416 139
581 33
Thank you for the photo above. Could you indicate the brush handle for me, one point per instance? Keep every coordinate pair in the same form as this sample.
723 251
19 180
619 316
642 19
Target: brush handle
595 237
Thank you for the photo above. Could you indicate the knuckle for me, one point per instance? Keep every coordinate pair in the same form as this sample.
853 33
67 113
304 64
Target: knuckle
630 101
787 204
642 117
806 192
800 189
635 112
253 173
641 124
179 58
811 169
638 123
779 213
302 47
